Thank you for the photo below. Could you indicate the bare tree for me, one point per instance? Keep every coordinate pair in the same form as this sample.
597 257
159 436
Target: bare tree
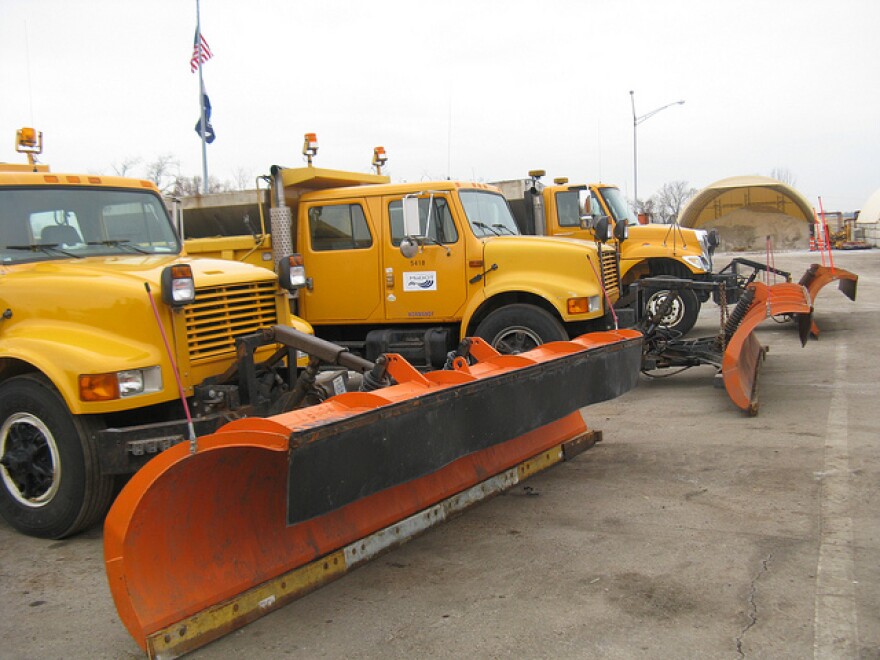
645 206
126 166
242 179
162 172
669 200
783 174
184 186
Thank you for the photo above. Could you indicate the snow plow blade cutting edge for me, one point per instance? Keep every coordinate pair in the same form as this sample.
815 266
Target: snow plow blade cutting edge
744 353
200 544
818 276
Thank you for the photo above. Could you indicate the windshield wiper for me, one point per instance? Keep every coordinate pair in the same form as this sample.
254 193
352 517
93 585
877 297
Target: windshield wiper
482 225
505 228
121 243
48 248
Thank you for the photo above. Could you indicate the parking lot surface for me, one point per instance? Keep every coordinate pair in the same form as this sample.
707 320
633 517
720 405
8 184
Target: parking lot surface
691 531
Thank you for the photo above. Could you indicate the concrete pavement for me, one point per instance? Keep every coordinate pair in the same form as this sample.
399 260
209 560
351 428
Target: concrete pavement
690 532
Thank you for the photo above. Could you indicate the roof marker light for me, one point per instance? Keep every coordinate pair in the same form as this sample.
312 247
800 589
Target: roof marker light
379 158
310 146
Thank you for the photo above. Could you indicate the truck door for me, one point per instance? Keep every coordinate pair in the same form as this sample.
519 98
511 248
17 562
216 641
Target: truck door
341 256
431 284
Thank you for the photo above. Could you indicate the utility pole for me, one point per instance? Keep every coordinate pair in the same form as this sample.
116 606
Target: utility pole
636 121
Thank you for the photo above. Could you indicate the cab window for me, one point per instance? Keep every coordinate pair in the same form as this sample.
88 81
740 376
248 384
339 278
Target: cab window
77 222
440 229
572 205
339 227
568 209
488 213
620 211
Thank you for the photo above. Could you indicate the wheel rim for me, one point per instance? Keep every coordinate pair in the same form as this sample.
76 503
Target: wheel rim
675 313
516 339
30 465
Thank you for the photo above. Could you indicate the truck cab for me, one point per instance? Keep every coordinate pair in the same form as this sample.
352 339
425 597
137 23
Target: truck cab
413 268
576 210
109 332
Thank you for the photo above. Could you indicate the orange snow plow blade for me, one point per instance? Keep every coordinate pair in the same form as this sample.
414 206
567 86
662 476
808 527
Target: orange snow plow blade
267 510
818 276
744 353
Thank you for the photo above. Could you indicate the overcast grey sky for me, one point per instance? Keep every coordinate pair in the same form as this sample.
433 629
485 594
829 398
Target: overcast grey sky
478 89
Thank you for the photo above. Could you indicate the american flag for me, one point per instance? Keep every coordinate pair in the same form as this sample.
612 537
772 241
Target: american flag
201 52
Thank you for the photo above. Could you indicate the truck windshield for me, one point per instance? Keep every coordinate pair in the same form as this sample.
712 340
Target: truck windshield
488 213
37 224
617 203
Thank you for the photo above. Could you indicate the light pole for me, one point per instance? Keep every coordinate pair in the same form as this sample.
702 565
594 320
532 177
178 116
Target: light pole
636 121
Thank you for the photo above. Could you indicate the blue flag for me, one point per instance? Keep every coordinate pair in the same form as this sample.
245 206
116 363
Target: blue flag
209 130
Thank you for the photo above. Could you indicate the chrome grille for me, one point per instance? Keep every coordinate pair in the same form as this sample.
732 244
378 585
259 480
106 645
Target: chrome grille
220 314
611 274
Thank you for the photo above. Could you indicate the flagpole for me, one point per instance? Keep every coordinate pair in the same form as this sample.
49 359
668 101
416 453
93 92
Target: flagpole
203 124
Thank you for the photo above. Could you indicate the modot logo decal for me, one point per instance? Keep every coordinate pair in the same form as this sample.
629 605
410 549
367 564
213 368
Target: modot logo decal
420 281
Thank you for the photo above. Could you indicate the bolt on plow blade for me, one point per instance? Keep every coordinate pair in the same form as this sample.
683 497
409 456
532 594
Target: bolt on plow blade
818 276
266 510
744 353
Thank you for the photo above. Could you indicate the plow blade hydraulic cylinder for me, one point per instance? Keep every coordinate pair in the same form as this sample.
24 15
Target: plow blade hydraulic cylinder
818 276
197 545
744 353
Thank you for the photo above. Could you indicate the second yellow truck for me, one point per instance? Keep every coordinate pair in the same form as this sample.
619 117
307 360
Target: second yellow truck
412 268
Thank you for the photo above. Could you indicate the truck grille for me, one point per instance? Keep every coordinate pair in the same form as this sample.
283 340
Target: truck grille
220 314
611 274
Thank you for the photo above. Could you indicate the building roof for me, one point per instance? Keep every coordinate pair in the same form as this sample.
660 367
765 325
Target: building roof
758 193
870 212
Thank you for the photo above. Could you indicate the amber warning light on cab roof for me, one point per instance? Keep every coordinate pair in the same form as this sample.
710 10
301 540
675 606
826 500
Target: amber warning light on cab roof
379 158
310 146
29 141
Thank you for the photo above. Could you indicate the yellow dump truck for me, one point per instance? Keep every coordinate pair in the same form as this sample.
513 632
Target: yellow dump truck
94 287
576 211
412 268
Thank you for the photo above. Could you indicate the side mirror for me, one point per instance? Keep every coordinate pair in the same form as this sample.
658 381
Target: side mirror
602 230
586 221
411 224
714 240
621 230
408 248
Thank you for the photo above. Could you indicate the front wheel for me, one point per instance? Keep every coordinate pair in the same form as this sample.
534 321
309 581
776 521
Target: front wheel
519 328
50 480
683 310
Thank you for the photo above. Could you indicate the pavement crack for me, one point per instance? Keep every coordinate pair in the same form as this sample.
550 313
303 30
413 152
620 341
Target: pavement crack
752 612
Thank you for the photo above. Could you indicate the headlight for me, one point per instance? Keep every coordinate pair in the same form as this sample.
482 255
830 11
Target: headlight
698 262
584 305
119 384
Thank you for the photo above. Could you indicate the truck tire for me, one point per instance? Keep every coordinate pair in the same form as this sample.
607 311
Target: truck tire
51 485
518 328
683 314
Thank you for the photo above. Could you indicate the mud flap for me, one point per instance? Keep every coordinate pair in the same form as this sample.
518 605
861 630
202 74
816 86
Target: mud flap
818 276
744 353
199 544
